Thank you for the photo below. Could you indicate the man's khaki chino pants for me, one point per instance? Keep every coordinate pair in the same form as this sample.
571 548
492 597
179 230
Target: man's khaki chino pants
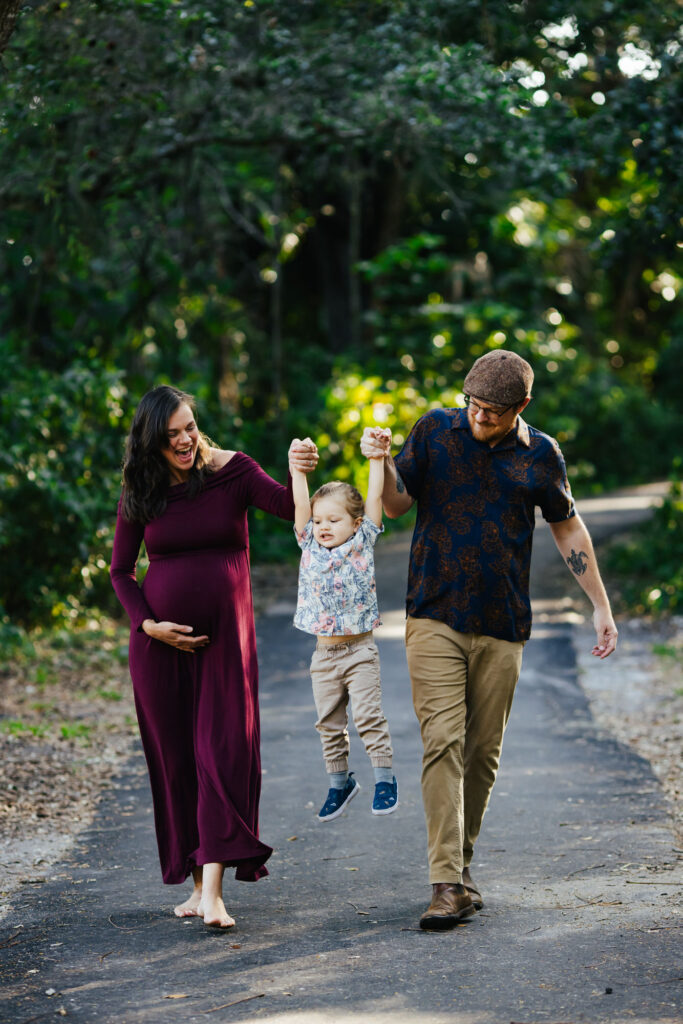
463 685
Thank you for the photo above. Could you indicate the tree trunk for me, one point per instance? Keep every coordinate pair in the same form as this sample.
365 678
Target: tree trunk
354 251
388 200
276 297
9 9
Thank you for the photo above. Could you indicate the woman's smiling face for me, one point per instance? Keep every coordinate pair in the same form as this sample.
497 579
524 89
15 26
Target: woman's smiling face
183 442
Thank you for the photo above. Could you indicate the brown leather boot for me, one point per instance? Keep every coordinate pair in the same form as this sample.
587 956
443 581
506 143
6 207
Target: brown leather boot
477 901
450 904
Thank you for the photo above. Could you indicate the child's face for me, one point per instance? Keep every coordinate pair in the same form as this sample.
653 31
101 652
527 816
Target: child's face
332 524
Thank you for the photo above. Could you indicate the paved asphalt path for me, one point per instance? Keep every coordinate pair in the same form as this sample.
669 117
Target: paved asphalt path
576 862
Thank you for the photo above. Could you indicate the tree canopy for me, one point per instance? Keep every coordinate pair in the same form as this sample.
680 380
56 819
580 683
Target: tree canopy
314 215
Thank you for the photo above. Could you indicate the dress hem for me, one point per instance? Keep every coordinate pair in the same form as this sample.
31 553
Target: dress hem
248 869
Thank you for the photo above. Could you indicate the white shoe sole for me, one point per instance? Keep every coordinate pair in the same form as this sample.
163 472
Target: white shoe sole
389 810
335 814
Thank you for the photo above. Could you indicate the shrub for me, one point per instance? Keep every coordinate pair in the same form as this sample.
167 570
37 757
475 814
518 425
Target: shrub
58 486
649 566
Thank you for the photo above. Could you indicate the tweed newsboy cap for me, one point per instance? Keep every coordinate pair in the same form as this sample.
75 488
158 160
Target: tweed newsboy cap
501 377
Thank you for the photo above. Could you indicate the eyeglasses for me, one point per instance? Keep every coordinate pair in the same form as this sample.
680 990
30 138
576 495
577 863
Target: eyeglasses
494 414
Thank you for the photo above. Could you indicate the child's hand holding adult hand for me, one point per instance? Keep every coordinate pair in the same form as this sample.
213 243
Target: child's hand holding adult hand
383 437
303 455
375 442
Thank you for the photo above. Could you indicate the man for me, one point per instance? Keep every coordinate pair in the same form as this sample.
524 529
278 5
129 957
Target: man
476 475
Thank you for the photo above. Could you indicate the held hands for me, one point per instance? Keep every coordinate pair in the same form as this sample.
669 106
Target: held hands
175 635
376 442
303 455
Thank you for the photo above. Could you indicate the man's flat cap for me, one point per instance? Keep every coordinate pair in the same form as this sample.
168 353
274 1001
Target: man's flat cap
500 377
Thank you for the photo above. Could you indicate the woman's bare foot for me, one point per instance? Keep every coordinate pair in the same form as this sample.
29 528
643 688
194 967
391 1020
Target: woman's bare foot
190 908
212 909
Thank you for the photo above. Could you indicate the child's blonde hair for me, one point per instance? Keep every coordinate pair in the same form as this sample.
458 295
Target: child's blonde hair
351 498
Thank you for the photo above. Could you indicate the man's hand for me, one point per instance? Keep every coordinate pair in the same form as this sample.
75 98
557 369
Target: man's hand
606 633
303 455
174 635
376 442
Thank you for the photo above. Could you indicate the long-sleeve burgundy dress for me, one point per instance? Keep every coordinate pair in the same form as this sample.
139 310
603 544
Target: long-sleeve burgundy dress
198 713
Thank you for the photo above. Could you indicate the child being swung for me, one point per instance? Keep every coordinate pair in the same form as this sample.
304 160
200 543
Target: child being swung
337 603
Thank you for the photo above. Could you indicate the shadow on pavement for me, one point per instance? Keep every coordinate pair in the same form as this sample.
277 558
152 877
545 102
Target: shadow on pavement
576 864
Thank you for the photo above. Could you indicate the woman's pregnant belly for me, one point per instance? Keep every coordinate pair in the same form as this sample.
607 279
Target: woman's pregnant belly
198 588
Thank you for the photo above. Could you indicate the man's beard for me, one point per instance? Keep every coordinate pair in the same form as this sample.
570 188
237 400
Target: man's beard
488 432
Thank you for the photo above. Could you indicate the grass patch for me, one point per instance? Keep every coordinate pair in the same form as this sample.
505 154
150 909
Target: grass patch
666 651
110 695
75 731
66 683
16 727
44 676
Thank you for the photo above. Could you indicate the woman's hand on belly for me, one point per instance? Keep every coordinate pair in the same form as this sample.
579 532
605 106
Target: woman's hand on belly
175 635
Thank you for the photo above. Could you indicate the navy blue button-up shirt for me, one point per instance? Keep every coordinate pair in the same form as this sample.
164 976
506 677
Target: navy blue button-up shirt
471 549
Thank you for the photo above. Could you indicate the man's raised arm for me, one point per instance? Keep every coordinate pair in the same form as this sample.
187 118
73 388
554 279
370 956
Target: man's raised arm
395 497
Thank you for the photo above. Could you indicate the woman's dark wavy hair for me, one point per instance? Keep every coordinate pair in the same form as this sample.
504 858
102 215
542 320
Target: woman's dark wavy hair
145 470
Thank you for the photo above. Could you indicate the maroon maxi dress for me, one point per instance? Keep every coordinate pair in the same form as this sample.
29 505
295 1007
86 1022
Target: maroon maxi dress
198 713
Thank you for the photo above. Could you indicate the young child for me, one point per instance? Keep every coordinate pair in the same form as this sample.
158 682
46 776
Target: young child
337 603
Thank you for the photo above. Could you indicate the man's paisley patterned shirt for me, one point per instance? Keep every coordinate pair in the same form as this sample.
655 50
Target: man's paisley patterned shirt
471 549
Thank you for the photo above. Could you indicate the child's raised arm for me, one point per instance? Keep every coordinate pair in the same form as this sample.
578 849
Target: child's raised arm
373 502
302 504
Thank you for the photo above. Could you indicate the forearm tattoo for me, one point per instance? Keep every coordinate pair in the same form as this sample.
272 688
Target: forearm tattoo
576 562
400 486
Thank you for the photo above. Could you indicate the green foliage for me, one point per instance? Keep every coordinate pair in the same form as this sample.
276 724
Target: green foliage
58 484
13 639
315 215
608 424
649 567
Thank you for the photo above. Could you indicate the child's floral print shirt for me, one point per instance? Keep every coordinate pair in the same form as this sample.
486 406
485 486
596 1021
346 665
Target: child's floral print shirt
337 591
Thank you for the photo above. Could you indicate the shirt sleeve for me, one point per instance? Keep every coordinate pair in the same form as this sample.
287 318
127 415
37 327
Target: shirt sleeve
555 497
127 541
412 461
304 538
368 531
267 494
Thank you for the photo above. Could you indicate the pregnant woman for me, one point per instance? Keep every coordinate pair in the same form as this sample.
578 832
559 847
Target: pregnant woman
192 642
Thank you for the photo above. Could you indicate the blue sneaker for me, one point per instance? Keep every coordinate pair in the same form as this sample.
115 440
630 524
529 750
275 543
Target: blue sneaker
337 799
386 797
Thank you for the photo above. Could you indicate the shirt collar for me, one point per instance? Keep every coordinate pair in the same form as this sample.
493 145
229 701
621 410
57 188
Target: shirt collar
521 434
